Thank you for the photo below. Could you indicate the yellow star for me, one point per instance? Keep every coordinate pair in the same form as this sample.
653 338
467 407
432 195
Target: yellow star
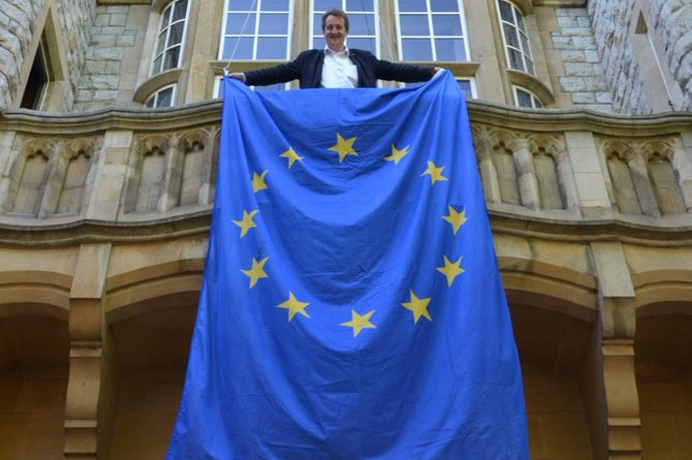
291 155
258 181
246 223
435 173
359 322
451 270
294 306
455 218
419 307
256 272
343 146
397 154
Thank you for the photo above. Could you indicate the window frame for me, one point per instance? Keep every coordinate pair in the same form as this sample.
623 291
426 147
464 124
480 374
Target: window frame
524 55
534 99
376 20
166 47
255 35
155 96
432 37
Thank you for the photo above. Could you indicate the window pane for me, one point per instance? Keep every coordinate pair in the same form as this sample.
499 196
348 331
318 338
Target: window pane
273 24
523 98
450 49
244 50
241 5
170 59
416 49
165 98
166 18
414 24
271 48
367 44
524 43
520 20
160 43
412 6
274 5
511 35
529 67
465 86
324 5
318 43
236 25
444 5
446 24
157 65
362 24
506 12
180 10
359 5
537 103
176 35
150 102
515 60
317 24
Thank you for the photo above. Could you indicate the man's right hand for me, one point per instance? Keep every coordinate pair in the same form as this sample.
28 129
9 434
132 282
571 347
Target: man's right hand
236 75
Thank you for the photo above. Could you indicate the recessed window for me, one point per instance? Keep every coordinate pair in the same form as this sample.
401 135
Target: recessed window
362 19
170 39
431 30
515 37
162 98
256 29
36 85
525 98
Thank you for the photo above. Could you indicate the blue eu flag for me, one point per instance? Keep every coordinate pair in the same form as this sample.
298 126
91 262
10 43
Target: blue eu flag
351 306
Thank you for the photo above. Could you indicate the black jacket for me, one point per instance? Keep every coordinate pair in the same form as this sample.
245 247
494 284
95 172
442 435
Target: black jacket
307 67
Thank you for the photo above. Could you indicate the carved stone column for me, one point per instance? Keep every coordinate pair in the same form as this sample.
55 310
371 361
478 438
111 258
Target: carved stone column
616 303
526 177
642 185
86 348
491 186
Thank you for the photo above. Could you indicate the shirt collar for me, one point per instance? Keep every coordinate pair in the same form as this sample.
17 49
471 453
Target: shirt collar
328 50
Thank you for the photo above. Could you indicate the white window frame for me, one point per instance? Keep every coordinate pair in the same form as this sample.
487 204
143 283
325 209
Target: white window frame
376 18
255 35
535 100
432 36
526 55
186 21
155 96
218 80
471 80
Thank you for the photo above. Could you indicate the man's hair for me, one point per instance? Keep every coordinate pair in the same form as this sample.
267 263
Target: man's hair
339 13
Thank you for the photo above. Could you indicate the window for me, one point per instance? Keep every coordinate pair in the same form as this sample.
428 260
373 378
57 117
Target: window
218 87
169 42
525 98
515 37
162 98
39 76
431 30
362 16
467 85
256 29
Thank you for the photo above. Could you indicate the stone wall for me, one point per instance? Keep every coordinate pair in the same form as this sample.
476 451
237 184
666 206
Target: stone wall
76 17
672 20
611 20
584 78
98 85
17 23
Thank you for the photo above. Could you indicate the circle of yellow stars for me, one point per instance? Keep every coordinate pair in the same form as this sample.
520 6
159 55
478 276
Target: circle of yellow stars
358 322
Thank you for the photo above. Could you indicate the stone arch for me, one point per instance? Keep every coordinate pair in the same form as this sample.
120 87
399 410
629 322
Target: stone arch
146 182
29 175
193 167
74 176
150 315
664 178
618 155
549 162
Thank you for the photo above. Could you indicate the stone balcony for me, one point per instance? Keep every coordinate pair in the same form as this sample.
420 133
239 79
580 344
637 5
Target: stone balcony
103 230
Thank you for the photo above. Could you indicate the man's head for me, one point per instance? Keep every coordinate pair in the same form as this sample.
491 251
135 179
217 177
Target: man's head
335 28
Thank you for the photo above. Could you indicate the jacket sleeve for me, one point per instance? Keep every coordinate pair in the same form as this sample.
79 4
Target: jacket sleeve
281 73
408 73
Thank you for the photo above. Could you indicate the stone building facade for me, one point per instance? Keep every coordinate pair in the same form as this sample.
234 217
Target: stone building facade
109 132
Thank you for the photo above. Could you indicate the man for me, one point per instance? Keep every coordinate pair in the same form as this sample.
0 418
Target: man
336 66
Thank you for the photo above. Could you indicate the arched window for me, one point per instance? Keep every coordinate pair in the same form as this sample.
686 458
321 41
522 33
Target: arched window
164 97
525 98
515 37
170 39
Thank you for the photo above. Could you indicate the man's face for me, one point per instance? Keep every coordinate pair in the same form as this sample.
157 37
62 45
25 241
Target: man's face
335 32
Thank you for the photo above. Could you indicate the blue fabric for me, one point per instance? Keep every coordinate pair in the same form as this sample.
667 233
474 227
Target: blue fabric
363 235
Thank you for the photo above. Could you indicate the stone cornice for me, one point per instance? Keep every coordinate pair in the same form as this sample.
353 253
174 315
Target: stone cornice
209 112
198 223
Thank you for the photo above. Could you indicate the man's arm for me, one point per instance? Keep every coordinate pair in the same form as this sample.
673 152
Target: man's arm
281 73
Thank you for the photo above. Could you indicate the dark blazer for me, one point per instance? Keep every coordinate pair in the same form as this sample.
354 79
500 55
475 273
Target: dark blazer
307 67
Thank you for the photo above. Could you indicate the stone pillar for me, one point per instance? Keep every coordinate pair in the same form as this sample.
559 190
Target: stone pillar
616 303
111 171
491 186
526 177
642 185
6 142
565 176
589 177
86 348
682 161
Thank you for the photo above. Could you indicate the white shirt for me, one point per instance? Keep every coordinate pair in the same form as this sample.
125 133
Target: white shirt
338 70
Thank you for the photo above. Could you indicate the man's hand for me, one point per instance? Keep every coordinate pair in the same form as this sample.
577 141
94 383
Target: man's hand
236 75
